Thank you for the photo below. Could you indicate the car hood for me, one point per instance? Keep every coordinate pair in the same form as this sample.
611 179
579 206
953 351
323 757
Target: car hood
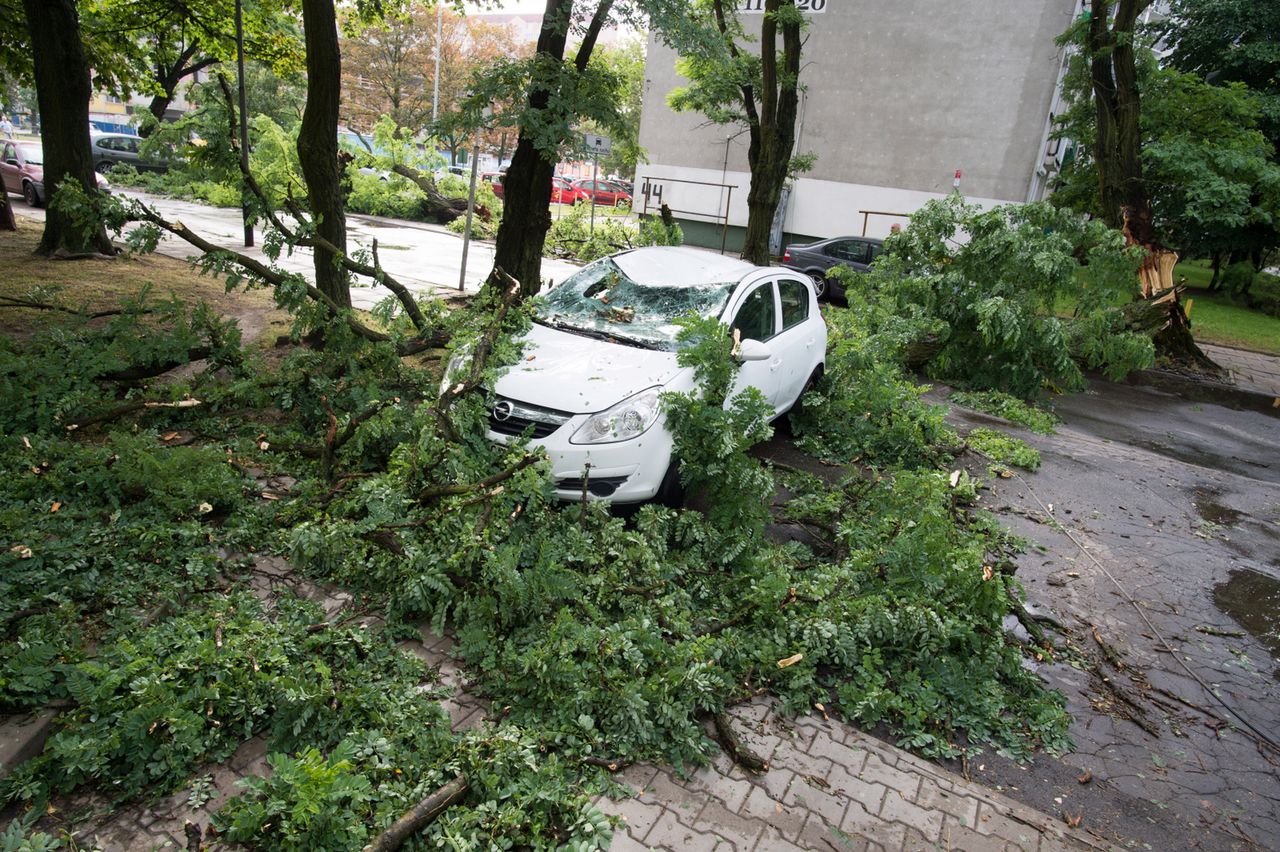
581 375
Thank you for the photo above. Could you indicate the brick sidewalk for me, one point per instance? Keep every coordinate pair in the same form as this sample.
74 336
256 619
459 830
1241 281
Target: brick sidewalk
828 787
1250 370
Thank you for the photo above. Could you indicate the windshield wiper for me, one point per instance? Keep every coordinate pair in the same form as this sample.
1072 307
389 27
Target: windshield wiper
598 334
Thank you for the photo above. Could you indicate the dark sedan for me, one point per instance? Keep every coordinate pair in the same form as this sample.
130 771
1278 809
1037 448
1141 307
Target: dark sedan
814 259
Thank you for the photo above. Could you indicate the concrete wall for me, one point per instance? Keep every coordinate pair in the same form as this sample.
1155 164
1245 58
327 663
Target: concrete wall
898 97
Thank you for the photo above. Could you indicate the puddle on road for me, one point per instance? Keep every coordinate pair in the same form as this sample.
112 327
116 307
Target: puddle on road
1213 511
1253 600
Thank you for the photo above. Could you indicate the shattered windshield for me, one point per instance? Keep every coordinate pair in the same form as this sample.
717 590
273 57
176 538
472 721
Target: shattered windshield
601 301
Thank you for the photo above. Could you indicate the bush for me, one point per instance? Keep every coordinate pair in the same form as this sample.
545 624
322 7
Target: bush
1008 407
1264 296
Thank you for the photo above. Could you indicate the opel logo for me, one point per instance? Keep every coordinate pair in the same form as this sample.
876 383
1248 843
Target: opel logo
502 410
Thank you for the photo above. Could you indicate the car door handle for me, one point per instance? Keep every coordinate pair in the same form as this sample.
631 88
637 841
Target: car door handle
809 343
775 363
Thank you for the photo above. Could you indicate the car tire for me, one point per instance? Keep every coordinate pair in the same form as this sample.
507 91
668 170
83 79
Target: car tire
820 286
102 167
670 492
29 194
798 405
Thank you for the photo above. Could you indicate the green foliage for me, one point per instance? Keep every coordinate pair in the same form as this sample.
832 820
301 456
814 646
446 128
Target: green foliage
18 837
1008 407
1004 448
866 407
572 236
994 294
49 380
1264 295
713 428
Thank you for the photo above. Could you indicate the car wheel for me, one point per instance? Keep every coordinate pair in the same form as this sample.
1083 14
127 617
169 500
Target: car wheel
819 285
102 167
671 492
30 195
798 406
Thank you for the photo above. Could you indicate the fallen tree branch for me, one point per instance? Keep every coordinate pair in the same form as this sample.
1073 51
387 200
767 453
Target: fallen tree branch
128 408
483 485
732 744
148 371
13 302
419 816
608 763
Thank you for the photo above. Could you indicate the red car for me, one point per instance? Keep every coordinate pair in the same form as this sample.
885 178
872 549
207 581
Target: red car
604 192
564 192
494 179
22 171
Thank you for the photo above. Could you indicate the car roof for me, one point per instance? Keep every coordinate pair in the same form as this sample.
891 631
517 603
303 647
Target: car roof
680 265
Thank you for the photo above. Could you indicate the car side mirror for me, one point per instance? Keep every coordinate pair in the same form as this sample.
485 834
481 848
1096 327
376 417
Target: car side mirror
11 162
753 350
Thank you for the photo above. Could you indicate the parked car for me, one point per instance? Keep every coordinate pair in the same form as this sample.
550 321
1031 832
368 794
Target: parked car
602 351
604 192
814 259
112 148
22 168
564 192
494 179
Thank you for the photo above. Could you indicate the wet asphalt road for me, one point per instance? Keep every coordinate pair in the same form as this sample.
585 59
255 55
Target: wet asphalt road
1180 503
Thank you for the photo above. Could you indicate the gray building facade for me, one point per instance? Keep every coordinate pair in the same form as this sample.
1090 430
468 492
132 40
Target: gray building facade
902 102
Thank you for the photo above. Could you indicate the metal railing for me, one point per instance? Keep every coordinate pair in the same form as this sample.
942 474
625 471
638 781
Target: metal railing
651 191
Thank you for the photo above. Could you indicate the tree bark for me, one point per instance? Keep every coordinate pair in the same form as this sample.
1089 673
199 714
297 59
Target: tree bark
526 188
169 76
770 154
318 146
62 91
7 222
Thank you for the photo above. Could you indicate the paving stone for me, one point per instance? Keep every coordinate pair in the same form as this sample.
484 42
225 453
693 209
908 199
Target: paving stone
638 775
898 809
250 751
868 794
819 834
665 790
858 823
964 808
775 782
741 831
914 841
788 821
623 842
22 738
669 833
957 836
877 771
639 816
730 792
995 822
850 757
818 801
788 756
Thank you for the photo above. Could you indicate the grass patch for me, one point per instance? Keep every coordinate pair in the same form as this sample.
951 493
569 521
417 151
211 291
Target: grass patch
1003 448
97 285
1008 407
1215 318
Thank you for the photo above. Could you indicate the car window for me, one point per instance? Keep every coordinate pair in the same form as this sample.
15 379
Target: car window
757 318
9 153
795 302
130 145
32 155
851 251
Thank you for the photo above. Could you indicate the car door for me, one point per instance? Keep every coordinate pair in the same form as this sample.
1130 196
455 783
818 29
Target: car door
754 316
10 169
799 339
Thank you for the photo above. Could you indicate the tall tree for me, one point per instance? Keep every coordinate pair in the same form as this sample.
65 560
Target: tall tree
545 125
62 89
318 147
730 86
1230 41
1109 47
625 62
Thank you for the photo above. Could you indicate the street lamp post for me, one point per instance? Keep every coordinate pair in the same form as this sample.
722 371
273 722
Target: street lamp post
244 125
471 197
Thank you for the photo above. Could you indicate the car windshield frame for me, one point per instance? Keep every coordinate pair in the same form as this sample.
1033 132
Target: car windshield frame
601 300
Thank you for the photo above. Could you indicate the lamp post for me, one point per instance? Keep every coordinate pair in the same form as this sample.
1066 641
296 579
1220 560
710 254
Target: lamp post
435 93
244 125
486 114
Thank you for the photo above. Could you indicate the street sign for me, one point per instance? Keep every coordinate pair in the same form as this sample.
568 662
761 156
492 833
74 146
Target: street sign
597 144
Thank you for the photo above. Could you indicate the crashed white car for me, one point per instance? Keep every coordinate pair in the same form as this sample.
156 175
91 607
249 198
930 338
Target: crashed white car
602 351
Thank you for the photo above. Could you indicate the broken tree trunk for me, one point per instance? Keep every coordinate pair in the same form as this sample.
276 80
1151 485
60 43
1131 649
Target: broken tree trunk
419 816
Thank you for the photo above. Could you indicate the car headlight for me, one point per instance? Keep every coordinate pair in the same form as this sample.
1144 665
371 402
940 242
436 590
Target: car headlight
456 363
628 419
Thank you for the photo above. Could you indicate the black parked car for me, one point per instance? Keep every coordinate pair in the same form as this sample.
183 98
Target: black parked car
815 259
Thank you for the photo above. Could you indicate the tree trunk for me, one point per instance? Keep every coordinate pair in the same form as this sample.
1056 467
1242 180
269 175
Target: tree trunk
7 222
318 146
62 92
526 188
770 150
168 79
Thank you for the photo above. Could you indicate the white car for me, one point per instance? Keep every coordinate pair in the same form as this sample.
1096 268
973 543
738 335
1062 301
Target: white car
602 351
